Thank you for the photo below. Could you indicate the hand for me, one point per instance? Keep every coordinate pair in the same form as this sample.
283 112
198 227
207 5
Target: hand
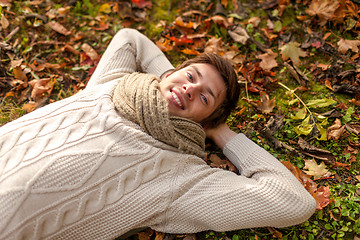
220 134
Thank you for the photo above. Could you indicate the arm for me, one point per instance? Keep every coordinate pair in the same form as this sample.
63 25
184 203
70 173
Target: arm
129 51
264 194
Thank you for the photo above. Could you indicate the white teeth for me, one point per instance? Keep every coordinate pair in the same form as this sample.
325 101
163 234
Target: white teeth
176 99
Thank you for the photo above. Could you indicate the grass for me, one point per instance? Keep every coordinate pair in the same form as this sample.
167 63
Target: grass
340 219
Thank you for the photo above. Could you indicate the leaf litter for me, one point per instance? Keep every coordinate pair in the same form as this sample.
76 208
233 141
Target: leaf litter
49 52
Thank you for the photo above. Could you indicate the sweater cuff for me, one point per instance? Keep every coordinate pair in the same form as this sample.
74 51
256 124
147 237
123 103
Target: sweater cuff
238 150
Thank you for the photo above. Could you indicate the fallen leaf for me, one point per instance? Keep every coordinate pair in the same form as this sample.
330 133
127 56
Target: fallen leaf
345 45
142 3
159 235
292 51
5 3
58 28
165 45
335 131
215 161
239 34
324 9
215 45
105 8
322 197
315 152
353 128
254 21
17 69
315 170
30 106
190 51
264 105
268 60
305 128
219 20
89 51
4 22
180 22
319 103
41 86
275 233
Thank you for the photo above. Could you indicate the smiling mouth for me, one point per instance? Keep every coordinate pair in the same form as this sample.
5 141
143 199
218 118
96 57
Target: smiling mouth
177 100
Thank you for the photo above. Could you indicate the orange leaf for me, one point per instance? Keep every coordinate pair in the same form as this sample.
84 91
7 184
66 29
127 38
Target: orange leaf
190 51
322 197
29 107
165 45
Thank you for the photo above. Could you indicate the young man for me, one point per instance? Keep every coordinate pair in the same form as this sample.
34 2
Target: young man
126 153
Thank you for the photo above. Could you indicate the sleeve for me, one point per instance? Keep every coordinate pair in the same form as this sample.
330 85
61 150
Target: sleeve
129 51
264 194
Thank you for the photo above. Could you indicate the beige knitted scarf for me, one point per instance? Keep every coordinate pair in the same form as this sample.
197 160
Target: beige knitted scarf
137 97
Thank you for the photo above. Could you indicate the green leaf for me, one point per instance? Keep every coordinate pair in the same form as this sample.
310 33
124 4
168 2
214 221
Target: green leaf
322 131
292 51
277 26
319 103
350 111
304 128
301 114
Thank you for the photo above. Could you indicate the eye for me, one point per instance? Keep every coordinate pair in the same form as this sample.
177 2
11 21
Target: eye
204 99
190 77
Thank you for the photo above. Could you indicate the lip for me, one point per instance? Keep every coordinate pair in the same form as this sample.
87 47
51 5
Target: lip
179 97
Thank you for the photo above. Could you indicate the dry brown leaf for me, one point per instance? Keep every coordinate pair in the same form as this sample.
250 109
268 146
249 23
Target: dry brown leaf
30 106
219 20
41 86
4 22
5 3
239 34
268 60
254 21
315 152
335 131
59 28
159 235
324 9
215 45
264 105
321 194
275 233
89 51
322 197
17 69
345 45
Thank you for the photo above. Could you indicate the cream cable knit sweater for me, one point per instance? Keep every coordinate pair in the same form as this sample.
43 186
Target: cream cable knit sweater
75 169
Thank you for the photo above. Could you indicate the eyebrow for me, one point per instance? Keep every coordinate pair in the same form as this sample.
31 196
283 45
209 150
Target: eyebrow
208 88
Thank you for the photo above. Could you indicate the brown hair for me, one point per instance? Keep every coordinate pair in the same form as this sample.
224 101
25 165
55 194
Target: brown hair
229 76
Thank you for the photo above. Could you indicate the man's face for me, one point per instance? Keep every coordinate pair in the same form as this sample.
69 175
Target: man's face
193 92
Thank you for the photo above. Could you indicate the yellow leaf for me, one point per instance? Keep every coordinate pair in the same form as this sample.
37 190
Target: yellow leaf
315 170
105 8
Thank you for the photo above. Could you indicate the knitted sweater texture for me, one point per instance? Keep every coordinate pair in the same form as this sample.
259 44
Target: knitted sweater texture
76 169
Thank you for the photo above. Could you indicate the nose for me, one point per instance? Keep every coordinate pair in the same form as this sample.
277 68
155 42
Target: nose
190 90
